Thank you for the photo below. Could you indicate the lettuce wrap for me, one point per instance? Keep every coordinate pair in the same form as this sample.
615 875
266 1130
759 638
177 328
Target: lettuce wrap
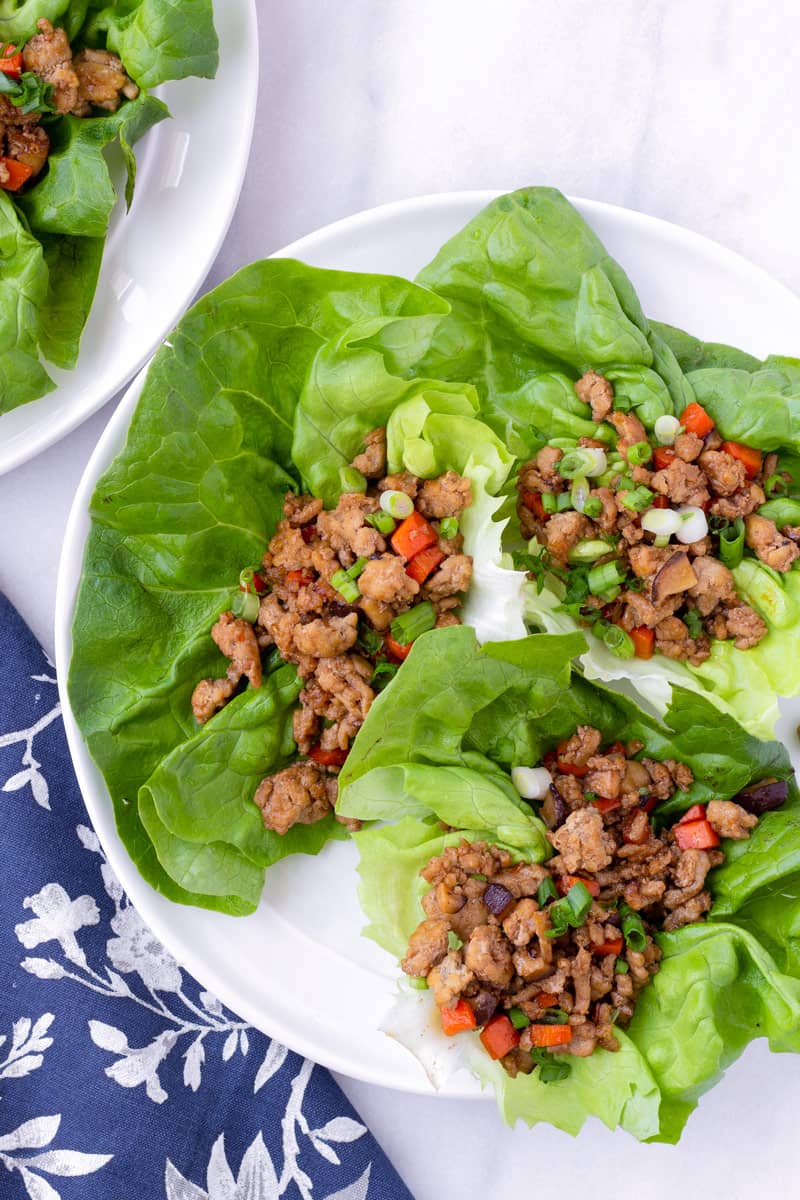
52 233
720 983
269 383
535 301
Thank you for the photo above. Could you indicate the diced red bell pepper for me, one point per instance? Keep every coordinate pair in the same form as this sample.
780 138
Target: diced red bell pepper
565 882
17 173
301 578
644 641
328 758
696 835
395 651
533 502
615 748
499 1036
696 420
750 458
696 813
545 999
614 946
604 805
649 804
660 501
457 1019
11 61
424 563
549 1035
413 535
308 532
662 457
568 768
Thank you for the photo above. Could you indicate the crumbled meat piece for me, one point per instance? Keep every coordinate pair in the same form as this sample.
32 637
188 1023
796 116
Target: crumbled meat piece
745 501
328 638
647 560
301 510
596 391
385 579
689 877
547 460
563 531
340 691
402 482
452 577
305 728
28 144
210 695
372 461
673 641
488 956
744 624
579 748
446 496
639 610
714 585
772 547
641 893
725 473
237 641
287 551
689 912
427 947
522 880
699 548
48 55
582 842
346 530
605 774
629 428
688 446
682 483
520 924
730 820
444 619
449 979
299 795
102 82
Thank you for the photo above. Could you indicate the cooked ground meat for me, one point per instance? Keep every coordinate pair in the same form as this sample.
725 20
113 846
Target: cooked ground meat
48 54
102 82
516 953
674 598
329 586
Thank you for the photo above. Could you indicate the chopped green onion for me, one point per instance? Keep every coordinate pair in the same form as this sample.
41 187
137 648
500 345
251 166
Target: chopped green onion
356 569
549 502
639 453
693 622
661 521
352 480
518 1019
632 928
731 543
589 550
667 429
694 524
383 674
607 575
637 500
585 460
579 493
477 875
572 910
551 1069
563 502
621 967
412 624
246 606
347 588
420 984
625 484
776 485
553 1016
593 507
615 639
368 640
448 528
547 891
397 504
381 521
454 941
246 580
563 443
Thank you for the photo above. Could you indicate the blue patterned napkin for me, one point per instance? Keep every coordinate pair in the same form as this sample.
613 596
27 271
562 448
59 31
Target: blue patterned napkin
120 1077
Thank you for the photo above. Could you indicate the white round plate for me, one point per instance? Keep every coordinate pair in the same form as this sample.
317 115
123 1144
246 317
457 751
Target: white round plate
158 254
260 965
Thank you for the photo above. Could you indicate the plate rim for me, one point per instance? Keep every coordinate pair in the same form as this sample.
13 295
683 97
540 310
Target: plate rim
464 1086
61 424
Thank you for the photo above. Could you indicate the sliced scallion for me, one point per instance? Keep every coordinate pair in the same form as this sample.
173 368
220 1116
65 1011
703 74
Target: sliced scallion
397 504
694 524
518 1019
621 967
639 453
589 550
593 507
579 493
412 624
246 605
637 500
547 891
381 521
563 502
584 460
663 522
448 528
667 429
776 485
607 575
615 639
549 502
632 928
731 543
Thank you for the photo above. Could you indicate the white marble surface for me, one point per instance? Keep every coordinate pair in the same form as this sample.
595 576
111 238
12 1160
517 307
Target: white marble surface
682 109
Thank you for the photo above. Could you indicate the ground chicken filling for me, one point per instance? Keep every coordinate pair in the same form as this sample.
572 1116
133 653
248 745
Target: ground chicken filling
44 78
645 537
547 959
342 594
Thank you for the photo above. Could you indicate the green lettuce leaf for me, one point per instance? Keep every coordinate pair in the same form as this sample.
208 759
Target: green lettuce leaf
533 293
73 266
758 407
159 39
23 294
18 17
694 355
76 196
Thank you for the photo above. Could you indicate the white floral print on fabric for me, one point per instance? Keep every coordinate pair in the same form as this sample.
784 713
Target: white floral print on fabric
170 1094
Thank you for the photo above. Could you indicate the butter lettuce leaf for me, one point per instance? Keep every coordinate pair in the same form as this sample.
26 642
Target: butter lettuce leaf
23 294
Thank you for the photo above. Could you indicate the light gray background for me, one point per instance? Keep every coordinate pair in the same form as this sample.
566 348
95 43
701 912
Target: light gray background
683 109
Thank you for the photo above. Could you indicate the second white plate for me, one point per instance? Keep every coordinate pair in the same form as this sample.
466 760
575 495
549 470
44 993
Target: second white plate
260 966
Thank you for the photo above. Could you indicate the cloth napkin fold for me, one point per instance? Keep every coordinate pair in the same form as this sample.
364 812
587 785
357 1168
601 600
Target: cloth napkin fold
120 1077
